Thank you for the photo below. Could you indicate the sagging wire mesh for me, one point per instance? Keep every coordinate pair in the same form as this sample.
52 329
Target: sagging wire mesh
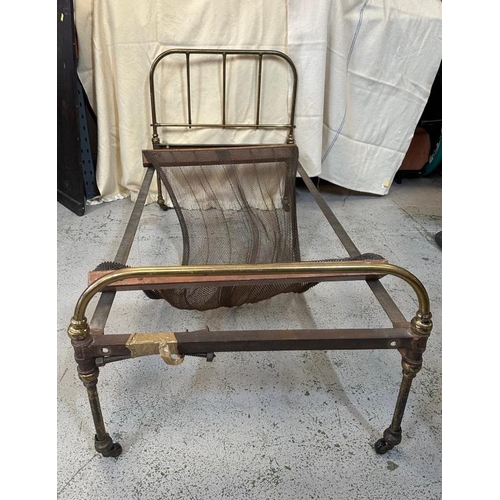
235 206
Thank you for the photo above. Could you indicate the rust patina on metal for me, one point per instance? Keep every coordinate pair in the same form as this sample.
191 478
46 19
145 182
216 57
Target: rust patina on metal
94 349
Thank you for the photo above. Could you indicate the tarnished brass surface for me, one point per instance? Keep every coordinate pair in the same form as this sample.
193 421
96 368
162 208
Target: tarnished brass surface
164 344
223 53
421 320
410 370
89 378
421 324
78 329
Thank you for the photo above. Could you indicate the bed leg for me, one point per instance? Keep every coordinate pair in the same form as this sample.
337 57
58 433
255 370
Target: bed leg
88 373
392 435
421 327
161 201
102 441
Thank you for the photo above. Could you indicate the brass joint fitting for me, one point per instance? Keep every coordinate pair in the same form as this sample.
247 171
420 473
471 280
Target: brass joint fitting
410 369
89 379
164 344
421 324
78 329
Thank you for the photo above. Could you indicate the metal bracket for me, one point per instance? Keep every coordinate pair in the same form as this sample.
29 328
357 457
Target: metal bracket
164 344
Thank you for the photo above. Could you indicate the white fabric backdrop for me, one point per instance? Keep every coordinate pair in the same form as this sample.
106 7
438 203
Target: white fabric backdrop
365 72
367 67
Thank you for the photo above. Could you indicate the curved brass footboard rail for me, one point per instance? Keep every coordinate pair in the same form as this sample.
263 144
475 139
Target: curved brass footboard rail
421 323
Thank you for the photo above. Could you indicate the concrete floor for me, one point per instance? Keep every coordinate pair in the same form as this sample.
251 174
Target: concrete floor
294 425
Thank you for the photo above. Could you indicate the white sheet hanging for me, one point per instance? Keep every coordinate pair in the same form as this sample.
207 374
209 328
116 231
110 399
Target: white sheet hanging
367 67
119 39
365 72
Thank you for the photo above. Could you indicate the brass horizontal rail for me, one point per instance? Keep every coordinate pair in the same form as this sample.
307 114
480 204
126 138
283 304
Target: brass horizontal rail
221 125
169 282
369 269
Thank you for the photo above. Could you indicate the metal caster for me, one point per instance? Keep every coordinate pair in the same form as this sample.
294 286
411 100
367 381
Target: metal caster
115 451
391 438
107 448
381 447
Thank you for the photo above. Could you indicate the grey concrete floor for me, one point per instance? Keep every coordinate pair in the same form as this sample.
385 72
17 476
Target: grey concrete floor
276 425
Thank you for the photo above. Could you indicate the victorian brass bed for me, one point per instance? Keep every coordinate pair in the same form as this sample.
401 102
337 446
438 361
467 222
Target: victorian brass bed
237 212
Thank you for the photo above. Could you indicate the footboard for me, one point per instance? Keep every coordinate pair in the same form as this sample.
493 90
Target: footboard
92 351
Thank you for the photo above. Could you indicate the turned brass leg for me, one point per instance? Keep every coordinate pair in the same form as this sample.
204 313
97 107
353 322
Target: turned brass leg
103 442
88 372
421 327
393 434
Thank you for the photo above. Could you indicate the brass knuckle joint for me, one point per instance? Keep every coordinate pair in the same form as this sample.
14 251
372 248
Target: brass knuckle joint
410 369
89 378
421 324
164 344
78 329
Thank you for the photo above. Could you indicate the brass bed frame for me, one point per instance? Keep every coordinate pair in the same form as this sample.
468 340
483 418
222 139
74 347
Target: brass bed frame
94 348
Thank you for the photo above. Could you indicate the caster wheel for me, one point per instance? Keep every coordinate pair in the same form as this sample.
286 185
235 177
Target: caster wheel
107 448
164 207
114 452
382 447
439 239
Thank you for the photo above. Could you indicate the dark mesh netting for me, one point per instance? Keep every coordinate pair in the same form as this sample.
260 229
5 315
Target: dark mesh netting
235 206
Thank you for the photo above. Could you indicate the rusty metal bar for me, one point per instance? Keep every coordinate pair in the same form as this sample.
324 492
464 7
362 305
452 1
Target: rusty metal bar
172 158
385 300
330 216
292 340
266 340
106 299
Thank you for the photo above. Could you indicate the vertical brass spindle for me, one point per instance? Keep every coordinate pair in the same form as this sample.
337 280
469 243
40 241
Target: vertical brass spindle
223 89
259 85
188 74
155 139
